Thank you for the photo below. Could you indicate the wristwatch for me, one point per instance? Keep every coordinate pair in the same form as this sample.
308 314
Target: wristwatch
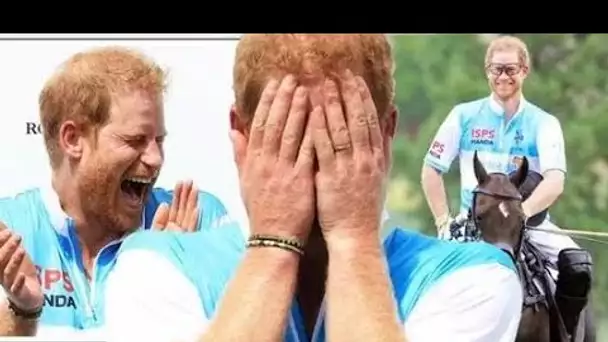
25 314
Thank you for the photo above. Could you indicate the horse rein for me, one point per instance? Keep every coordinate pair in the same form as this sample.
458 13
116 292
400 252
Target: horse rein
516 197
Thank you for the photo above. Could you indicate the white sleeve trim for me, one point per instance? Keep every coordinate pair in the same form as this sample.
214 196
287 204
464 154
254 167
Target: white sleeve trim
148 299
476 304
551 145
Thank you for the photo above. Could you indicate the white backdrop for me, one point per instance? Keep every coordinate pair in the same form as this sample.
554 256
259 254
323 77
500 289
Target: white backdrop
197 107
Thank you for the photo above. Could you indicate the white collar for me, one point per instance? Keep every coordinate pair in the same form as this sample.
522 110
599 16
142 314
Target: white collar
498 109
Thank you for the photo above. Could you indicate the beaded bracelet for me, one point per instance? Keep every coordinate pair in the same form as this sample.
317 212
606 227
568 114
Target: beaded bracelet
27 315
260 240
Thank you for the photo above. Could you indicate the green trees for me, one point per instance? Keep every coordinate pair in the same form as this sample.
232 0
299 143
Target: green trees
569 79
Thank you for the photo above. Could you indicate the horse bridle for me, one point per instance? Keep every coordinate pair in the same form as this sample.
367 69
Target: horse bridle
502 245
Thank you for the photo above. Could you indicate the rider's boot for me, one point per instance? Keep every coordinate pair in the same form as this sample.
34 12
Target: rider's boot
573 285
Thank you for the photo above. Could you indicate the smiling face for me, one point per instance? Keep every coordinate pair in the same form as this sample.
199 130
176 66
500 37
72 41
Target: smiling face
506 74
121 162
506 66
103 125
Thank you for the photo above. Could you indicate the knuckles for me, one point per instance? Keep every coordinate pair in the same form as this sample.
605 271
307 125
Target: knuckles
284 96
289 139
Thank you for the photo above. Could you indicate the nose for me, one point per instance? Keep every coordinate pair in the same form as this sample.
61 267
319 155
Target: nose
503 76
153 155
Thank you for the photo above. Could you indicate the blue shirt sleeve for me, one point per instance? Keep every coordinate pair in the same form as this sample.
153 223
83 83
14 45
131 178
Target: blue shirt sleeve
25 215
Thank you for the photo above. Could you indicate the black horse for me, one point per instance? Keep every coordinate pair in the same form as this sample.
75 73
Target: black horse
552 311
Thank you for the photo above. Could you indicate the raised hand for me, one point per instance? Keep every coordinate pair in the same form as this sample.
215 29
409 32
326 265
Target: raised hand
276 165
18 275
352 166
182 215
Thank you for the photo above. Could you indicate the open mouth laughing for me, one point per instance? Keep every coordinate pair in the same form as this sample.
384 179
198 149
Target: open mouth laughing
135 189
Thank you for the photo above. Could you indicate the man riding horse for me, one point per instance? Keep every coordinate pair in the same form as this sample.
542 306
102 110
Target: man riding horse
505 129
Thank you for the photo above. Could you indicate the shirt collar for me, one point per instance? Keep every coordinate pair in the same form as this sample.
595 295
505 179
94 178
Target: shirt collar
59 219
497 107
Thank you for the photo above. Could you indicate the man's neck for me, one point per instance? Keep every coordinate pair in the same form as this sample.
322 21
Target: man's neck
509 105
91 235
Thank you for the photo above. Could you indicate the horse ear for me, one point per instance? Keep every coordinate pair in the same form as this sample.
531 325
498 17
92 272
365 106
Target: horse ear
480 171
520 176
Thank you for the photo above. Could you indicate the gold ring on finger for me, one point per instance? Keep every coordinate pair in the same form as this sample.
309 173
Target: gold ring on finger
342 147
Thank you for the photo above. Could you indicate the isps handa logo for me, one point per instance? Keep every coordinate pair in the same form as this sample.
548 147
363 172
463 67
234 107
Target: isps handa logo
482 136
57 287
33 128
437 149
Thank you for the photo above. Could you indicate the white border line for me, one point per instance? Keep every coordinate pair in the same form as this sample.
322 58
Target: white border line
121 36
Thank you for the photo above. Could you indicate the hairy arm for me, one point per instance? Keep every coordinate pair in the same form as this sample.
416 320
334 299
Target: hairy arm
11 325
265 281
435 194
546 193
358 287
552 159
444 148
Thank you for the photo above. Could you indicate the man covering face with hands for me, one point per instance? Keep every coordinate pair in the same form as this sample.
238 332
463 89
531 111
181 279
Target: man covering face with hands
312 130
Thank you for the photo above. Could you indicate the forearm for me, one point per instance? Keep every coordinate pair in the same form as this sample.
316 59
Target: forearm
547 192
10 325
434 192
359 288
257 301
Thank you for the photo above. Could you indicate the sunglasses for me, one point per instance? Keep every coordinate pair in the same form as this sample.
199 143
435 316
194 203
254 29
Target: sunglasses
509 69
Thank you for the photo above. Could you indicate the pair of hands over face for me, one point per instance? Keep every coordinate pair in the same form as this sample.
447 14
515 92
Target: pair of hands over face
18 275
282 187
